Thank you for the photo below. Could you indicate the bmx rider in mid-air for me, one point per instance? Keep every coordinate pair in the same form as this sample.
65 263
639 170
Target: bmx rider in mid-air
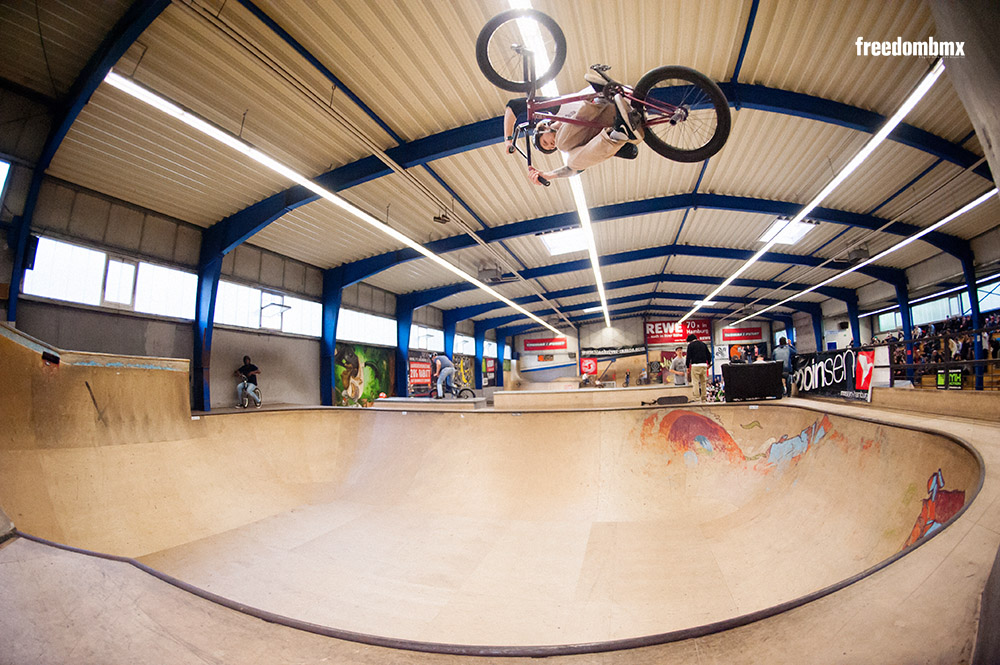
584 146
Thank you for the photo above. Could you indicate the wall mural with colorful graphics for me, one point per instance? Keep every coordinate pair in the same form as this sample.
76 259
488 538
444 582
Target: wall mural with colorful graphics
696 438
362 373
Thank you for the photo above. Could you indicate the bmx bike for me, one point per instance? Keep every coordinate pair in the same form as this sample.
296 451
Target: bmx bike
683 114
246 390
455 391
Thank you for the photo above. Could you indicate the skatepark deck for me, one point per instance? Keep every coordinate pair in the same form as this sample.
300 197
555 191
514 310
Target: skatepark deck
757 531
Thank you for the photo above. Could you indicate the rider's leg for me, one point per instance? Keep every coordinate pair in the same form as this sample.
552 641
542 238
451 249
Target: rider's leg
253 393
447 373
440 385
239 394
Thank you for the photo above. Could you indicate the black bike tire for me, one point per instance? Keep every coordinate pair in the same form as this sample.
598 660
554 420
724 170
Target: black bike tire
260 397
483 42
466 393
715 95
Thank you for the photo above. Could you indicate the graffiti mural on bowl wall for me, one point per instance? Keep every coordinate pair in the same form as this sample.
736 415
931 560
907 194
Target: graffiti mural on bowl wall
696 438
939 507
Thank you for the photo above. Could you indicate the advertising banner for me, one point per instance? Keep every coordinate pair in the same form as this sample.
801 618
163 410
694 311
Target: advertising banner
544 344
588 365
672 332
613 351
843 373
742 334
489 372
420 373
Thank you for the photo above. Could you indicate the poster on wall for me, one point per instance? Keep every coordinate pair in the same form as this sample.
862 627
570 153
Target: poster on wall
612 351
845 373
751 334
489 372
588 366
542 344
464 376
361 373
672 332
747 353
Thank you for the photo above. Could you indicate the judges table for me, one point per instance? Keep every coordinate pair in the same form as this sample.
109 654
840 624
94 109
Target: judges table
752 381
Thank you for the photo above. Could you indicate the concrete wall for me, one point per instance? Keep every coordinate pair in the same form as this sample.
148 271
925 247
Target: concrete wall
290 364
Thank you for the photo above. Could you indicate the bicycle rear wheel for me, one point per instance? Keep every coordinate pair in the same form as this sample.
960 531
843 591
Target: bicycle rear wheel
685 115
466 393
499 41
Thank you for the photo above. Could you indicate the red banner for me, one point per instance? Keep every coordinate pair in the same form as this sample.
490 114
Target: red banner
420 373
671 332
863 370
742 334
544 344
588 365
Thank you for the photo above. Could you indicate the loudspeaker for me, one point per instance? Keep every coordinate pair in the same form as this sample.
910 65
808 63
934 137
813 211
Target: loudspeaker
844 325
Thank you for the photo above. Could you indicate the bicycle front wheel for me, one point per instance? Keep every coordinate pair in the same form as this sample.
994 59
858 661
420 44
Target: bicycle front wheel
466 393
504 38
685 115
259 401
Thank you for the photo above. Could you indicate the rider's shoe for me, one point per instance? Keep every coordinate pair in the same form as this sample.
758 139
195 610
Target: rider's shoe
258 405
625 120
595 77
628 151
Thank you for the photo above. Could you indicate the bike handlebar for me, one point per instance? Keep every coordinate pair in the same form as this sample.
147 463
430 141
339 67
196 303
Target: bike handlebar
543 181
511 148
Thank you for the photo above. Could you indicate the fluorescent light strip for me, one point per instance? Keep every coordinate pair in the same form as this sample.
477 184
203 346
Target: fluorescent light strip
911 101
921 299
197 123
901 244
533 40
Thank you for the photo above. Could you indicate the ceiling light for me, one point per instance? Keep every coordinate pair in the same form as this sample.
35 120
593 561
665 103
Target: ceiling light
783 233
201 125
916 236
533 40
886 129
591 310
564 242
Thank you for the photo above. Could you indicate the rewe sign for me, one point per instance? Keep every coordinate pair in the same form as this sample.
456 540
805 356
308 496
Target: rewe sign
672 332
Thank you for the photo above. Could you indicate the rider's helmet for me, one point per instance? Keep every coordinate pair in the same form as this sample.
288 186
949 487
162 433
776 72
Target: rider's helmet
543 127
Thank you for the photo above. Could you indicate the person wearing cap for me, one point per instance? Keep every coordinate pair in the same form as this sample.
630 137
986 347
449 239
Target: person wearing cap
698 357
678 367
584 146
442 369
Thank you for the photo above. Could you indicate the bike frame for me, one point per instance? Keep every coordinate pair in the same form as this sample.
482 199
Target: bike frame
537 108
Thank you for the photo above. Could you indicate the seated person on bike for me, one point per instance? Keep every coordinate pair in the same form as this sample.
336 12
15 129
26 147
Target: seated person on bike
248 372
585 146
442 368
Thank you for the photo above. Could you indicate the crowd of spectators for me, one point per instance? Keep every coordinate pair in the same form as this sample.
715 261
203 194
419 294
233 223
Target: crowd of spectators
937 345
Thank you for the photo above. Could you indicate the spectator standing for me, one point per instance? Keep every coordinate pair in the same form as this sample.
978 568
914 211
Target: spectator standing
698 357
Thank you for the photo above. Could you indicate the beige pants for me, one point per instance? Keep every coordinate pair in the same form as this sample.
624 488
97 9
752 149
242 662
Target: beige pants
588 146
699 381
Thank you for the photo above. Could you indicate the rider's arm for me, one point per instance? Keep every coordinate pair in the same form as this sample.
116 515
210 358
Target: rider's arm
509 120
564 172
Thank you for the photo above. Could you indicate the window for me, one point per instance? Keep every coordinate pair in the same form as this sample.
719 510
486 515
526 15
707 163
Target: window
303 317
426 338
353 326
4 172
247 307
237 305
465 345
119 283
489 349
165 291
66 272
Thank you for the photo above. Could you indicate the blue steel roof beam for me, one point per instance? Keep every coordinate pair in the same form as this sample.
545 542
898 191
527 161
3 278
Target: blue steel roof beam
954 245
487 132
133 22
